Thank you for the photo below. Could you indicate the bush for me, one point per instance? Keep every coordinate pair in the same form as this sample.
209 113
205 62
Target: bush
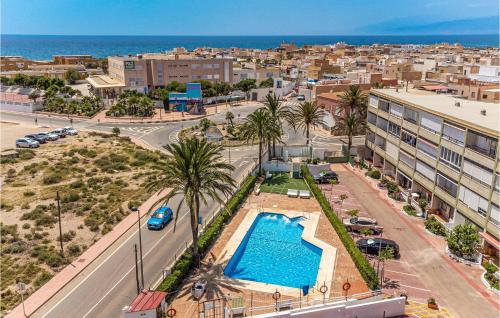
374 174
29 193
181 268
42 278
410 210
435 227
362 264
52 178
74 249
464 240
26 154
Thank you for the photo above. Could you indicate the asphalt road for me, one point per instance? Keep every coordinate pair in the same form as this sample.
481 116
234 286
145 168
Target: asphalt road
108 284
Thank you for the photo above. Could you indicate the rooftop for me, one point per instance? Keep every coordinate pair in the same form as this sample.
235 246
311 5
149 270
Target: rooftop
444 105
147 300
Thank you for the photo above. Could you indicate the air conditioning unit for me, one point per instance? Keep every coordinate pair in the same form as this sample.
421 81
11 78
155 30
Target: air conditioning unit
483 112
457 104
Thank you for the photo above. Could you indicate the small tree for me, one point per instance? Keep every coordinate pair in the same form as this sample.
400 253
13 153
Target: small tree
353 213
229 118
34 95
115 131
384 255
342 198
464 240
71 76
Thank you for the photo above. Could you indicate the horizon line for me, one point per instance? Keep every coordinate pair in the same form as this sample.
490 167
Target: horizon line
251 35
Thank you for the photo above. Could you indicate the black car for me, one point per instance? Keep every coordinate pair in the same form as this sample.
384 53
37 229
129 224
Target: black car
372 246
325 177
40 138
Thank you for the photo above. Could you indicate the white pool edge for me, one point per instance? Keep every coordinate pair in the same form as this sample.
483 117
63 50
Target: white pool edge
310 223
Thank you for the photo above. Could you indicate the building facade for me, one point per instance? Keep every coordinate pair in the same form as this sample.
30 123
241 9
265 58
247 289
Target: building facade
442 149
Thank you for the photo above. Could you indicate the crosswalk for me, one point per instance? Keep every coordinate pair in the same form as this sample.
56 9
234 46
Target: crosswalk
143 130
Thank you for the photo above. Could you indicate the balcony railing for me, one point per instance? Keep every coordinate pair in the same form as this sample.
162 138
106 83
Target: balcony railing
490 152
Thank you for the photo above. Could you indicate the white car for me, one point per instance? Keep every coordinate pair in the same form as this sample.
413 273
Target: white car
27 143
70 131
50 136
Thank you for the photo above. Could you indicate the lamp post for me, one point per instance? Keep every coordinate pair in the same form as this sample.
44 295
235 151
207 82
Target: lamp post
60 226
140 243
22 289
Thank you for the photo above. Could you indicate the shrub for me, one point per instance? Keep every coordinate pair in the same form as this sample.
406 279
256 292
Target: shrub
410 210
374 174
362 264
74 249
115 131
77 184
71 197
52 178
435 227
26 154
181 268
26 226
463 240
42 278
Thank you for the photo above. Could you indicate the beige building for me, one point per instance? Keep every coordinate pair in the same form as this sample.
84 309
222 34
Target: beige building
145 72
443 149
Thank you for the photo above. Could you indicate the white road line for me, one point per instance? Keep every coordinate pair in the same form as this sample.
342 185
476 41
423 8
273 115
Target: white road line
408 286
99 266
402 273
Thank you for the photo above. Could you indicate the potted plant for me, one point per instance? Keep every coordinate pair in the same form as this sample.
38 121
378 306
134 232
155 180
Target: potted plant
432 304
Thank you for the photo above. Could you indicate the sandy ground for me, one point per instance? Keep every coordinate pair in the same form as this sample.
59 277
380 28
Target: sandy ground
10 131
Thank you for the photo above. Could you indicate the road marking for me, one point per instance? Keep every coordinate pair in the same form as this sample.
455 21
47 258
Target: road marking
402 273
408 286
102 263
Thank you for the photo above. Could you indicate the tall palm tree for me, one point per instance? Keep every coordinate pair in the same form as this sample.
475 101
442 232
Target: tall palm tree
307 114
195 171
279 113
353 101
257 126
229 118
348 125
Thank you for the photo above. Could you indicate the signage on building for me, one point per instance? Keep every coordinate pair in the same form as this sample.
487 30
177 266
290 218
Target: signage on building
129 65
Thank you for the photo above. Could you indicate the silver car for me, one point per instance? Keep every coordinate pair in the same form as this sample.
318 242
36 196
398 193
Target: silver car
50 136
70 131
27 143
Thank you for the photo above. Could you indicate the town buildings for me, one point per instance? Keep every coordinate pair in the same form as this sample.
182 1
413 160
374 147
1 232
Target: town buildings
442 149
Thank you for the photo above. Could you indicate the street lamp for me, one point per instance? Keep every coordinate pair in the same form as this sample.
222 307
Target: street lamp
135 209
22 289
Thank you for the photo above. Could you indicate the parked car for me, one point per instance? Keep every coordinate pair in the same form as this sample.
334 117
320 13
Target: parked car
301 97
60 132
372 246
40 138
27 143
50 136
160 218
70 131
324 177
358 223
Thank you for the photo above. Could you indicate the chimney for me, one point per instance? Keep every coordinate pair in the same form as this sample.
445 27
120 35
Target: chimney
457 104
483 112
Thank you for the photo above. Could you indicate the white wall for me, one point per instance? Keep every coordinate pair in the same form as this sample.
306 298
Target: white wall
19 107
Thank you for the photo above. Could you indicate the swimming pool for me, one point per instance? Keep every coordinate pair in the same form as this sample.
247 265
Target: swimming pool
274 252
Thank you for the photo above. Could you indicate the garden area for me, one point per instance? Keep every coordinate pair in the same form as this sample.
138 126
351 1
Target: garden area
99 177
132 103
281 182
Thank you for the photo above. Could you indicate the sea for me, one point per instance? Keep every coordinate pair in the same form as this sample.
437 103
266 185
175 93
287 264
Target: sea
43 47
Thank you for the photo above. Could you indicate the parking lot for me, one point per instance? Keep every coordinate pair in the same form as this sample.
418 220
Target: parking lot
9 132
424 270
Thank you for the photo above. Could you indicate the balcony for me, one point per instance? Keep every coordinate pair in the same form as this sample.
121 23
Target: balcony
475 185
410 126
479 158
382 114
429 135
474 216
424 181
454 147
408 148
446 197
447 170
447 185
482 144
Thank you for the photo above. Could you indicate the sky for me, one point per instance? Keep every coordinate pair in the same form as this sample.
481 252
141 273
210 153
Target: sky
229 17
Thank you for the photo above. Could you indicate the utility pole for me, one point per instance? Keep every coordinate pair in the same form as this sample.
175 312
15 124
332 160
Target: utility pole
60 226
136 270
140 245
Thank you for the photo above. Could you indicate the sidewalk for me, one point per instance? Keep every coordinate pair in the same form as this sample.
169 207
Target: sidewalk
160 116
61 279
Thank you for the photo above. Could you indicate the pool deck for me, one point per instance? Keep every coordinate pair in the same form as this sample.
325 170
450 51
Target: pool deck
310 224
344 268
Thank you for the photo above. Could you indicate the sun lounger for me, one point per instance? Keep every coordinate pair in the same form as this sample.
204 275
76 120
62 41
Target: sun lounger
304 194
293 193
284 305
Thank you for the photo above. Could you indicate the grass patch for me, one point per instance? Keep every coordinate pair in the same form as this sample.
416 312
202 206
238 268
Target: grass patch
281 182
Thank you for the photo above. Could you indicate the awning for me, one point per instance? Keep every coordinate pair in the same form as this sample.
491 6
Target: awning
490 239
104 81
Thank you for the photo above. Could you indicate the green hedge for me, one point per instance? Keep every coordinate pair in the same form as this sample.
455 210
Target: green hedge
181 268
364 267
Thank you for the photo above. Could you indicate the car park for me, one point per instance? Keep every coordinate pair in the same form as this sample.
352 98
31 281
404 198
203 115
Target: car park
40 138
70 131
373 246
325 177
360 223
50 136
160 218
60 132
27 143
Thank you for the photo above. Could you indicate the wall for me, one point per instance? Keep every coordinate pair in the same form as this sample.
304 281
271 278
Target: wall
19 107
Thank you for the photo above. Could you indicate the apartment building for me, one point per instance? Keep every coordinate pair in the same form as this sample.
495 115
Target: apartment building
443 149
144 72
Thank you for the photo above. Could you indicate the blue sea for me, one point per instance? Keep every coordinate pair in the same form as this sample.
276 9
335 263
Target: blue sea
43 47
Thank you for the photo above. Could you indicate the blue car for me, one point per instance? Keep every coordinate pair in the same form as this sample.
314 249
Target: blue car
159 219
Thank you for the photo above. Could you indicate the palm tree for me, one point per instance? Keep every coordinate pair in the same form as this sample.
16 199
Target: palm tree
348 125
307 114
353 101
279 113
195 171
229 118
257 126
34 95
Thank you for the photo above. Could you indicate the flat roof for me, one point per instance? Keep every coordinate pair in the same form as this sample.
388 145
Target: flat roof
443 105
104 81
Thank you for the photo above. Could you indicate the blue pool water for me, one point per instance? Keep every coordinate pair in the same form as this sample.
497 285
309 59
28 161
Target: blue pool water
274 252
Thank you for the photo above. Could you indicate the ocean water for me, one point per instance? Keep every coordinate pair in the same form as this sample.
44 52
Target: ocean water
43 47
274 252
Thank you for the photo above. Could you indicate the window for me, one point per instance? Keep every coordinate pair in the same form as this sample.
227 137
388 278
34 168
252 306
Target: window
406 159
450 158
431 123
454 134
372 118
382 123
477 172
427 147
396 110
495 214
409 138
373 101
394 129
392 150
447 184
410 115
425 170
384 105
473 200
482 144
497 182
370 136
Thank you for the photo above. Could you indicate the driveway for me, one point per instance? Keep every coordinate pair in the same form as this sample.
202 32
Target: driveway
423 270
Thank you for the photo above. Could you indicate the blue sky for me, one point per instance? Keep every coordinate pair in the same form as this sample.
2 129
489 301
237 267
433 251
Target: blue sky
229 17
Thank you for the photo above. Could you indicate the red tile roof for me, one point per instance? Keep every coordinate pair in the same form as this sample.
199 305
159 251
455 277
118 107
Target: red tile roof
147 300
